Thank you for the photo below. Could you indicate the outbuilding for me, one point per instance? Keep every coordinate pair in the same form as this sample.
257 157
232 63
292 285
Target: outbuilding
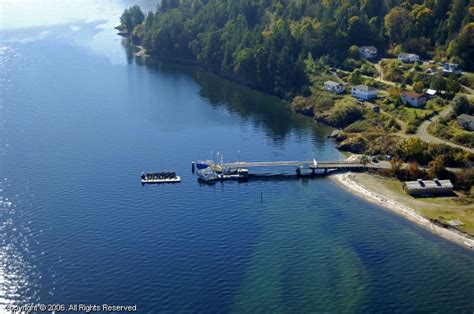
422 188
431 93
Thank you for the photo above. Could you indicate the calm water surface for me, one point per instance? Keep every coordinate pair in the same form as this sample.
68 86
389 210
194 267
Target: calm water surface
81 118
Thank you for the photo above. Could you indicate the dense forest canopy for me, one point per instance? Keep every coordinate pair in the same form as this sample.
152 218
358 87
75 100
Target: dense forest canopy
267 43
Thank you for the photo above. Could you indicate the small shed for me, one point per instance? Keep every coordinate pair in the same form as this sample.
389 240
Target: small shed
421 188
430 93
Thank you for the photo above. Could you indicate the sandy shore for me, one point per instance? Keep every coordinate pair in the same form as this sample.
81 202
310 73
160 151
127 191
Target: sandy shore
348 181
142 52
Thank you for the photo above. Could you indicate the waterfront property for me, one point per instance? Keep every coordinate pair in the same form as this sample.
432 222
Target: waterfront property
364 92
335 87
466 121
413 99
368 52
421 188
408 57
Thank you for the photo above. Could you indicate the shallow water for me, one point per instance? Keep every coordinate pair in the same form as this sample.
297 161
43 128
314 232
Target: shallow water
80 119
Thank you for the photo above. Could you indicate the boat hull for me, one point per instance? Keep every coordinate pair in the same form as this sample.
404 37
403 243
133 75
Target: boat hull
161 181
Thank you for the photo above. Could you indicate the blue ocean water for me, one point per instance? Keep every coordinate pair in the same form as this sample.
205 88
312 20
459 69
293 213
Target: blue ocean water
81 119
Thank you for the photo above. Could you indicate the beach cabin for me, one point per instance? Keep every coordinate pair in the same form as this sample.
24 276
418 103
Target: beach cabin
335 87
423 188
466 121
364 92
367 52
449 68
408 57
413 99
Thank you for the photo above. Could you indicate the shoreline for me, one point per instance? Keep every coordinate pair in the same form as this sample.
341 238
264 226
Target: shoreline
142 52
346 180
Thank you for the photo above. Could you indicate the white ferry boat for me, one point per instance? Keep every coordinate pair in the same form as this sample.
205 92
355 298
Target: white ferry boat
210 175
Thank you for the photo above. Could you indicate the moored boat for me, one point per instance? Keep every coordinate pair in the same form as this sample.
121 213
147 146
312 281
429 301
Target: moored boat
203 164
207 174
159 177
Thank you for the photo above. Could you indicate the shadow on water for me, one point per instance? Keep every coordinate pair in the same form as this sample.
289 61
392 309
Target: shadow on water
262 177
264 111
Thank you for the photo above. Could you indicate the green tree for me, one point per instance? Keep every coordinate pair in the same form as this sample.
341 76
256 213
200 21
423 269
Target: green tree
456 15
462 105
398 24
437 167
413 148
355 77
353 52
453 86
132 17
418 86
438 82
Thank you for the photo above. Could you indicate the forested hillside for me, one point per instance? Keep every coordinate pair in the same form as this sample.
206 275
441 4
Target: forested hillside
267 43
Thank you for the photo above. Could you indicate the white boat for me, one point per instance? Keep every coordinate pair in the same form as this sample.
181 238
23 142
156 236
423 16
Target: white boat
210 175
159 177
207 174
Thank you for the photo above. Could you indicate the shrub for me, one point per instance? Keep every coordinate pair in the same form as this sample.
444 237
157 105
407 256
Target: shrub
344 114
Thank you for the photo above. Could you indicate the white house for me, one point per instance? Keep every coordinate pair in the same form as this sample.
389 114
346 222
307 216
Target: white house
449 68
335 87
408 57
368 52
413 99
364 92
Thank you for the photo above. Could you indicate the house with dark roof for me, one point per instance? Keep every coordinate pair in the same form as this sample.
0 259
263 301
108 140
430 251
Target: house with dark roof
466 121
364 92
413 99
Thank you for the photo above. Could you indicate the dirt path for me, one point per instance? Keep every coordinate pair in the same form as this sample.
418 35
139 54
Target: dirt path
423 133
